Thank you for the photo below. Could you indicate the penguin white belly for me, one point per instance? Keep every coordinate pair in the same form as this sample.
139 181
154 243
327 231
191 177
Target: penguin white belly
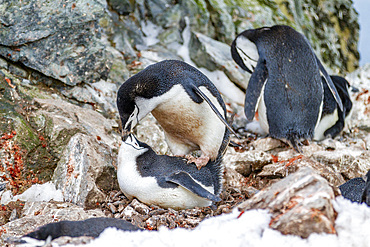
262 116
189 126
324 124
147 190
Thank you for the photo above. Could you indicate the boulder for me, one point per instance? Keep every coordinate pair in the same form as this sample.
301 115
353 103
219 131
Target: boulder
62 40
300 204
85 171
215 55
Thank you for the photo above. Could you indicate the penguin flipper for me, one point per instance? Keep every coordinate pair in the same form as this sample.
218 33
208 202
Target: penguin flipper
330 84
254 89
185 180
213 107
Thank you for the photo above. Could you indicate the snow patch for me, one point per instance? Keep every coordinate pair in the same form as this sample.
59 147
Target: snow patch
151 32
36 193
250 229
219 78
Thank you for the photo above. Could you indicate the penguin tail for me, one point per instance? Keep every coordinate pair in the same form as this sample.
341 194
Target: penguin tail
294 142
217 169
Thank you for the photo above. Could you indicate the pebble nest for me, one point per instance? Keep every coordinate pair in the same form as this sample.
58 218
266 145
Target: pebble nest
117 205
152 217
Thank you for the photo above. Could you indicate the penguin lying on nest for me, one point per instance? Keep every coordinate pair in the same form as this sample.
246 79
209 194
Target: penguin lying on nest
285 86
166 181
184 102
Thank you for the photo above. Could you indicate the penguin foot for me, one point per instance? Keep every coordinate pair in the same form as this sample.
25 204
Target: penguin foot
199 162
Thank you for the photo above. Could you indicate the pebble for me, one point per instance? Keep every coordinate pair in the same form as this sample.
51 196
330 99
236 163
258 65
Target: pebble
112 208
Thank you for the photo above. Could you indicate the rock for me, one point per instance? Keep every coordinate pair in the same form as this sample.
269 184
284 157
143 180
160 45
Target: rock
222 20
246 162
70 49
150 132
349 162
360 108
202 21
233 178
300 204
215 55
267 144
101 95
62 241
61 120
122 7
283 168
84 170
36 214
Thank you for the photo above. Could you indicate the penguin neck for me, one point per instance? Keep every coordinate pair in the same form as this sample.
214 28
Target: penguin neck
127 155
147 105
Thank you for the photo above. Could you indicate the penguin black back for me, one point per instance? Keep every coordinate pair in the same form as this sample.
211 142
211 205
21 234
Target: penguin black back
151 164
293 84
89 227
159 78
185 103
285 80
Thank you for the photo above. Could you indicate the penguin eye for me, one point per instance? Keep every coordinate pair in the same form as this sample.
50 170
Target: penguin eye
131 140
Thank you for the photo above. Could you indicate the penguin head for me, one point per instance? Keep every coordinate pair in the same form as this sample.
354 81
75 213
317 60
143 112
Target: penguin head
127 107
244 51
129 120
132 143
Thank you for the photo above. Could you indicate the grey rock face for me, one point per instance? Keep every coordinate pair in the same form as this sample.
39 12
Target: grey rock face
83 142
215 55
84 167
61 39
300 204
60 117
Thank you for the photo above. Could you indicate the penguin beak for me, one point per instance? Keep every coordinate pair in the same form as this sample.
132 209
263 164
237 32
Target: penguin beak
125 134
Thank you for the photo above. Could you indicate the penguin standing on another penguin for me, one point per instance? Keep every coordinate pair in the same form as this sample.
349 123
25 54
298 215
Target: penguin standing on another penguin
285 85
184 102
166 181
333 118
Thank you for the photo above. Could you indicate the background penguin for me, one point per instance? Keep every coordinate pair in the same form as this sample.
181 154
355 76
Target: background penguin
333 118
357 189
90 227
185 103
285 84
166 181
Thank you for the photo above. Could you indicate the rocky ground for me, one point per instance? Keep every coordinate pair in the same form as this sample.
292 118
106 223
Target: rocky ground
59 122
258 166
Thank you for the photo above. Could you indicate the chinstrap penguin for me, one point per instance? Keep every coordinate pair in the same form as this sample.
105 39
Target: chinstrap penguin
166 181
357 189
91 227
333 118
185 103
285 86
